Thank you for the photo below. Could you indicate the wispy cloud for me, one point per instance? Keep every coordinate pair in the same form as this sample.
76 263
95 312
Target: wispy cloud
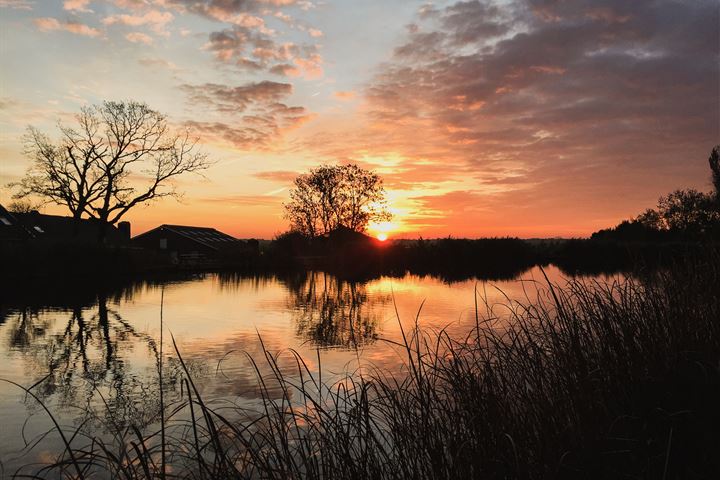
47 24
344 95
139 37
76 5
157 62
279 176
237 99
156 20
17 4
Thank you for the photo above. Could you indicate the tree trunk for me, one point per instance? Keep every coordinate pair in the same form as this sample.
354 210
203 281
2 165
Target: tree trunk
77 219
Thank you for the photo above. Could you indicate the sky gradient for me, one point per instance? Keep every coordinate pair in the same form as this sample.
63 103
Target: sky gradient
530 118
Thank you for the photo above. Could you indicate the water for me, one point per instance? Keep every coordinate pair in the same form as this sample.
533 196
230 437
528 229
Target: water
89 351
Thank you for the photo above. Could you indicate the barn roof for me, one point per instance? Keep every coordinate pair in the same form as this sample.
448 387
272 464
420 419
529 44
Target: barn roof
59 228
204 235
11 228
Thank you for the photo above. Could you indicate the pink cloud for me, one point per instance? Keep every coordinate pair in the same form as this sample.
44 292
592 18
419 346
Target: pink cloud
48 24
155 19
311 67
79 5
254 49
138 37
133 4
349 95
314 32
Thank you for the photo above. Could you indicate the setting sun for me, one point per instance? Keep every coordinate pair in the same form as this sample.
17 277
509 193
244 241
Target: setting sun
382 230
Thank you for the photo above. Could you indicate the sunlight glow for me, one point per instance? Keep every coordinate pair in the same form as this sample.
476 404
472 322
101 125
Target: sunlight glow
382 230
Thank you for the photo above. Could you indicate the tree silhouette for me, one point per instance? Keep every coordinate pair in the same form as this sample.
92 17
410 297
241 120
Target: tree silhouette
120 154
714 161
332 196
688 211
22 206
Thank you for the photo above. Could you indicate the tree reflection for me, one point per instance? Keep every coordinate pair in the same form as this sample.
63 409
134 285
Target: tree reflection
330 312
81 352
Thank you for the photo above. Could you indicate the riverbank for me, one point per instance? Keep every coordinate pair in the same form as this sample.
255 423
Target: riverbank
451 259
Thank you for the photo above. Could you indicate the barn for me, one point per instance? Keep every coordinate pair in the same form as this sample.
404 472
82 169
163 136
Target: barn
187 243
54 229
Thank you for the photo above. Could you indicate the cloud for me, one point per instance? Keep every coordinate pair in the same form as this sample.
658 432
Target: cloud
253 114
279 176
7 103
17 4
157 62
237 99
78 5
132 4
47 24
139 37
248 43
224 10
155 19
347 95
255 49
553 113
245 200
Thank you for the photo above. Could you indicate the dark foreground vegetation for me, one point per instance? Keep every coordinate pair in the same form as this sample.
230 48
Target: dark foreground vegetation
587 380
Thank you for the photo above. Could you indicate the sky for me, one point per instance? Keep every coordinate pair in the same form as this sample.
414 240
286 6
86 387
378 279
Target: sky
529 118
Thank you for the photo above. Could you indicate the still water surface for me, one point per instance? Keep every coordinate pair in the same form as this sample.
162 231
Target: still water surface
97 351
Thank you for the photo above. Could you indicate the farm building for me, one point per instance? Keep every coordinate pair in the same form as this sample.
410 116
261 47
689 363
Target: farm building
187 243
50 229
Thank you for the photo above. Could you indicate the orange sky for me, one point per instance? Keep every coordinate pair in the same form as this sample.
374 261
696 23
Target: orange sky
533 118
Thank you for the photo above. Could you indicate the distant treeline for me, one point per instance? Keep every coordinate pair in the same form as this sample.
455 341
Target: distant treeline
363 257
490 258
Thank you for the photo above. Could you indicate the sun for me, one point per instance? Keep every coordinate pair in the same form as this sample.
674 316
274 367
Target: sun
382 230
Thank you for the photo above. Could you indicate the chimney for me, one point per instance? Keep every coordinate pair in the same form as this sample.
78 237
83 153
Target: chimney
124 229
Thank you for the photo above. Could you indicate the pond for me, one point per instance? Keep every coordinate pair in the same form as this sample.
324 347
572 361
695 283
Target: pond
83 349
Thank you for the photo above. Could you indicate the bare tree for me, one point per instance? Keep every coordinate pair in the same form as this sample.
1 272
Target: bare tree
331 196
22 206
120 154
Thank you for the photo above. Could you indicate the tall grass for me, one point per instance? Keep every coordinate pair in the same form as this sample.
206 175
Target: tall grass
588 380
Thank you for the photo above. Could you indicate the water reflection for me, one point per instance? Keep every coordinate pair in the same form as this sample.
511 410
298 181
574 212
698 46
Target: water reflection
327 311
330 312
98 346
81 354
